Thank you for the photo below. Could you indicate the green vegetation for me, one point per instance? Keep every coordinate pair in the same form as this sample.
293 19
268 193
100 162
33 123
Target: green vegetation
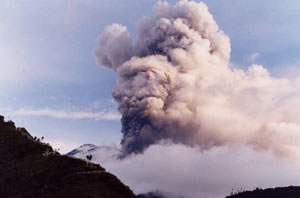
30 168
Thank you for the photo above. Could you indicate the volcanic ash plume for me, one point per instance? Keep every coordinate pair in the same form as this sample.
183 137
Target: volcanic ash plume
176 83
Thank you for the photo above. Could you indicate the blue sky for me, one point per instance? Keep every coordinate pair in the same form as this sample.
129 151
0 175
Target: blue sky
50 84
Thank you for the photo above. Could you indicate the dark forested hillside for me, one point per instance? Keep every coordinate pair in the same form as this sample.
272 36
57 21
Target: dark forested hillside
30 168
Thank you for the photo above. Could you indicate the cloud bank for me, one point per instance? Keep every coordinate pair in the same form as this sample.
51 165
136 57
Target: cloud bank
195 173
175 82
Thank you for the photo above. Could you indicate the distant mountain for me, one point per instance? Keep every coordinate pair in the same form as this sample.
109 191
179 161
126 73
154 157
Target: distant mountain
30 168
98 153
158 194
86 148
152 195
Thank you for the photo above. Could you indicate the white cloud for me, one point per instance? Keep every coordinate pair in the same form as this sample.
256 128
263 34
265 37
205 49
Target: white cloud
253 57
65 114
196 173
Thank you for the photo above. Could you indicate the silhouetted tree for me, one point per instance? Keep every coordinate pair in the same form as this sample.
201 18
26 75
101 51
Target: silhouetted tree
89 157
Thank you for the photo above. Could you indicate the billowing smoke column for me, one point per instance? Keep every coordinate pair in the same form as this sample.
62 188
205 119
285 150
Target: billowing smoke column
176 83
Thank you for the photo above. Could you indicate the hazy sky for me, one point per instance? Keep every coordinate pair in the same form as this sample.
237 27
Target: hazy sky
50 84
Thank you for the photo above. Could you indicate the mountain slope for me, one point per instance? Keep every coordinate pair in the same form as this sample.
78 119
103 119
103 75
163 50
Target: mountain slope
29 168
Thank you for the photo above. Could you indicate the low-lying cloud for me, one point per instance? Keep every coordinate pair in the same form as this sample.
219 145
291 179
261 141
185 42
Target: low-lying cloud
196 173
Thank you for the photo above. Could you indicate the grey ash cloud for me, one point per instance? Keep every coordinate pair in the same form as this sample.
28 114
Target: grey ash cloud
176 83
